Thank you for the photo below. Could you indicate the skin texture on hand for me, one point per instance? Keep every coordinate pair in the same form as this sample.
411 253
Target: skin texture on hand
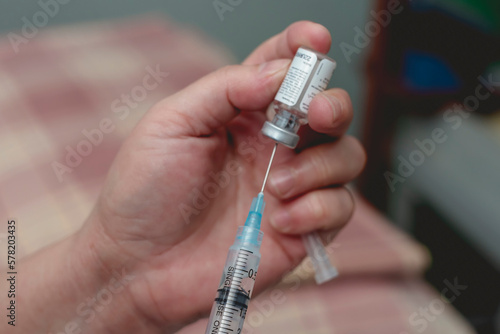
184 180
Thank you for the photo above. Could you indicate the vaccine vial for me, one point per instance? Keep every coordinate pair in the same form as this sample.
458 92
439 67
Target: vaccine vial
308 74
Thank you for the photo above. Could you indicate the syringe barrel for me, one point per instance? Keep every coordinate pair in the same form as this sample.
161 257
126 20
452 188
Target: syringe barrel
236 285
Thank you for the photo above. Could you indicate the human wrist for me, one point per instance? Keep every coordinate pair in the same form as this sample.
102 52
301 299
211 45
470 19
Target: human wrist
68 288
104 276
95 257
115 273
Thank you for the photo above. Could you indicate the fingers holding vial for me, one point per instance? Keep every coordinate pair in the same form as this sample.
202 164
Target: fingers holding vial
323 209
305 181
331 112
318 167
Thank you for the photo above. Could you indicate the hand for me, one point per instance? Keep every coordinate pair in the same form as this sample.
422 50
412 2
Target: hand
177 248
146 221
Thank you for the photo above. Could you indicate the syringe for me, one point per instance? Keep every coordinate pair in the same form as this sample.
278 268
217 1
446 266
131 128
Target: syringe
238 278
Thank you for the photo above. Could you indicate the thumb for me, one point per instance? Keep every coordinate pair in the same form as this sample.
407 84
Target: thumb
217 98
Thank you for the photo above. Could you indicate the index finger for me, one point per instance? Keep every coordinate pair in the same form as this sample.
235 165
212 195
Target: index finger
286 43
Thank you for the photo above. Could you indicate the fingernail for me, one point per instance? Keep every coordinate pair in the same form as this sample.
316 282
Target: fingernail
281 220
282 181
273 67
335 105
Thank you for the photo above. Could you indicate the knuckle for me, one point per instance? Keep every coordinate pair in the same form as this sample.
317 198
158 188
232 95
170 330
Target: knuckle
321 167
346 205
345 101
331 208
358 156
224 75
224 70
318 207
229 79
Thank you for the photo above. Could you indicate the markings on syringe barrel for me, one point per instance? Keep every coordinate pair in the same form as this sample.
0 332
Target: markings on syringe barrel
238 272
232 299
232 293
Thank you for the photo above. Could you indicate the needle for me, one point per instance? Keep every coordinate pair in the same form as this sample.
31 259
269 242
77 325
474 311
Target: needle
269 167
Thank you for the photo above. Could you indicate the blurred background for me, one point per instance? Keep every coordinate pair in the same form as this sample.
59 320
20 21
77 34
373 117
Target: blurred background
240 25
423 75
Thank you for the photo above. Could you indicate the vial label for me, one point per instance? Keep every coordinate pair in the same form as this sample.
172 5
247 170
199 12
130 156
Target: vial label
318 83
296 77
